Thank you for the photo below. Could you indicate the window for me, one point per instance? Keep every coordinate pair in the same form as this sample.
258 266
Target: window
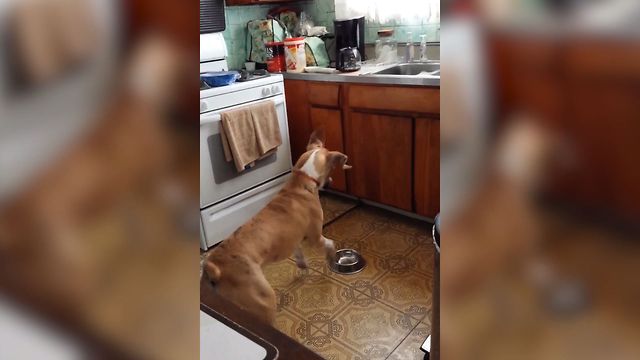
409 12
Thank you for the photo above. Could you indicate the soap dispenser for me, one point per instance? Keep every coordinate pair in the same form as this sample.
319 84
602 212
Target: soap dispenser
409 48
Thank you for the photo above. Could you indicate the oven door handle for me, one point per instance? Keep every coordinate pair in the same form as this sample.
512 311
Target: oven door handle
216 117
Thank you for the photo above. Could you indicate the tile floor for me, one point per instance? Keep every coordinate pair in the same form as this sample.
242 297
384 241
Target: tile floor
382 312
333 206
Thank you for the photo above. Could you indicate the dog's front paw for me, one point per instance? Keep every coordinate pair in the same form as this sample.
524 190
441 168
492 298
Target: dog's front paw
331 257
302 264
330 250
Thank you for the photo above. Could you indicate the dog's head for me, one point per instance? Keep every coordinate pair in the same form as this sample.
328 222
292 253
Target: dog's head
318 162
527 153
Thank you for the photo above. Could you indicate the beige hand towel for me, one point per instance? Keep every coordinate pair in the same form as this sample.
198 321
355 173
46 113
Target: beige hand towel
265 123
239 137
74 29
37 55
48 37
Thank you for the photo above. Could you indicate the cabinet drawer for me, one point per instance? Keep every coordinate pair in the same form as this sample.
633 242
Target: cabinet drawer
401 99
614 59
324 94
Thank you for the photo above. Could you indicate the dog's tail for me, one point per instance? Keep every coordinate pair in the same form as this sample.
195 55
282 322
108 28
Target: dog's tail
212 271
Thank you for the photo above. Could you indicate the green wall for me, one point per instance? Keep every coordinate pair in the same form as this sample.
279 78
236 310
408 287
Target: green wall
323 13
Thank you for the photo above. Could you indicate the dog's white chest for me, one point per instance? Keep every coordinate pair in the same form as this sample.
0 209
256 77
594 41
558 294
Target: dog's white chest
309 166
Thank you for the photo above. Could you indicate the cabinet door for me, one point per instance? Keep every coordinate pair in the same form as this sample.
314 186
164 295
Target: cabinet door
379 148
297 116
604 135
331 121
427 167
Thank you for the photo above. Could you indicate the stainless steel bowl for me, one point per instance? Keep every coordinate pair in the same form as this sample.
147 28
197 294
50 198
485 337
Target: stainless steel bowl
348 261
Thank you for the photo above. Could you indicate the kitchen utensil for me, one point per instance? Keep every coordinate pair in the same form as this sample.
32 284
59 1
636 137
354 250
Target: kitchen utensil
247 76
320 70
348 59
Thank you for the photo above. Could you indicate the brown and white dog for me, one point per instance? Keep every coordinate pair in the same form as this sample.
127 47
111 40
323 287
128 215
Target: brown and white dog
277 231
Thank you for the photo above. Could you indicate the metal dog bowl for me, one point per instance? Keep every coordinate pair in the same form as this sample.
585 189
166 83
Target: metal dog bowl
348 261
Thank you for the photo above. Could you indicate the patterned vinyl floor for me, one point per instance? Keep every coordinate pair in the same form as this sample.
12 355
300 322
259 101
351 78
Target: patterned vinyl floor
382 312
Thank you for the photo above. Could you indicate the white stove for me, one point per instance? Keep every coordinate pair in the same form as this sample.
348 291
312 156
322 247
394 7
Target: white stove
228 198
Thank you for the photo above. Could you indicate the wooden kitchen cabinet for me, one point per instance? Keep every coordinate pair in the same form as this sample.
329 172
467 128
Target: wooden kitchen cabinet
331 121
427 167
297 116
324 94
379 147
392 138
586 91
312 106
390 133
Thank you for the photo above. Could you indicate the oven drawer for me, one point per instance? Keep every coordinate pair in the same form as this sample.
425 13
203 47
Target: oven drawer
221 220
219 179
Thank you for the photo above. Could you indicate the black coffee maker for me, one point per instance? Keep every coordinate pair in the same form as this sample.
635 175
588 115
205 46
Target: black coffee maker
349 37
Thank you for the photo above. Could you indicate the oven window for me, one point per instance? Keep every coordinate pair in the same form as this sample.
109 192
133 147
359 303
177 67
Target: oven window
225 171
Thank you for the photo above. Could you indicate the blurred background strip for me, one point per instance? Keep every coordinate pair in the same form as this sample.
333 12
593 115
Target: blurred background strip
98 179
541 195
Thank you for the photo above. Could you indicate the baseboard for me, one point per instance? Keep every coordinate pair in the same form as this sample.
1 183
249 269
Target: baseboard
381 206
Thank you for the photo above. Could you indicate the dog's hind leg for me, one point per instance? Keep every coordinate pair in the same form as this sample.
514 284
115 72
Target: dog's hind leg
252 293
266 297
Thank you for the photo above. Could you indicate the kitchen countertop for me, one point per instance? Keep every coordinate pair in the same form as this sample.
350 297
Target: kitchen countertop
361 77
287 347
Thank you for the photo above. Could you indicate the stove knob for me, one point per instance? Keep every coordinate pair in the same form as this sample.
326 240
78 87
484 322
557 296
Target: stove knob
203 106
266 92
275 89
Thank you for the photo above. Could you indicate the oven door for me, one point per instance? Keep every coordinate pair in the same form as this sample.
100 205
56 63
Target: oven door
221 220
219 179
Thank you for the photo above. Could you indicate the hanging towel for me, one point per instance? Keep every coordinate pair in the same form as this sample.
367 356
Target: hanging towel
239 138
49 38
249 134
265 123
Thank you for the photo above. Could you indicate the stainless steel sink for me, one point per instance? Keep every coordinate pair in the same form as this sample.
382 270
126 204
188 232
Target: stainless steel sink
411 69
414 73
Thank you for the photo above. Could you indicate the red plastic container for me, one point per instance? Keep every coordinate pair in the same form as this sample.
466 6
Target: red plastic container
275 57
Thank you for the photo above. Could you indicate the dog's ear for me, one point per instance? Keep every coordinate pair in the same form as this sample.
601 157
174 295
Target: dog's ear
316 140
336 158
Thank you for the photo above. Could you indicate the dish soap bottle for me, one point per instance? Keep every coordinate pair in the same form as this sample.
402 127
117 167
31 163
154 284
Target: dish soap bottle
423 48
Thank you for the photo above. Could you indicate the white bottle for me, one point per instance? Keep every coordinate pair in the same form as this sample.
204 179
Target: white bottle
423 48
409 52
